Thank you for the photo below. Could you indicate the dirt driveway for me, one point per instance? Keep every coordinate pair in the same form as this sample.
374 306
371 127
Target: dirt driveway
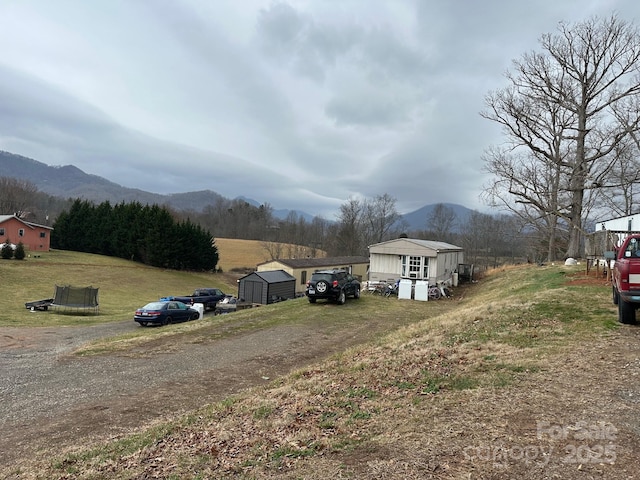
52 398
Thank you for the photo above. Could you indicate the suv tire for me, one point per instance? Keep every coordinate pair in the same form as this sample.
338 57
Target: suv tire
342 298
322 287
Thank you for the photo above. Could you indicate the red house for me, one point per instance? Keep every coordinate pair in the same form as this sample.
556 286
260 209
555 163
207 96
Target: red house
33 236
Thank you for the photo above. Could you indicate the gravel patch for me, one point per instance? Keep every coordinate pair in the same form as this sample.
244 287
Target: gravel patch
51 398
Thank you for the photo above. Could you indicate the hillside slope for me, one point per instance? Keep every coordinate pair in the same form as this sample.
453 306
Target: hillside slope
505 381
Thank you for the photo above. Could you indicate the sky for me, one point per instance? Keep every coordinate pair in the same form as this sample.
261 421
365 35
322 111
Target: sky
301 104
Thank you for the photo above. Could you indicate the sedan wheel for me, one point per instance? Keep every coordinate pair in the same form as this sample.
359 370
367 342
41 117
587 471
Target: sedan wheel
167 321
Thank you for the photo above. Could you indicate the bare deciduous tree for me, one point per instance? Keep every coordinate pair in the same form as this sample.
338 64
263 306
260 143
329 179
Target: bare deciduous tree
16 196
380 219
566 113
441 222
348 238
361 223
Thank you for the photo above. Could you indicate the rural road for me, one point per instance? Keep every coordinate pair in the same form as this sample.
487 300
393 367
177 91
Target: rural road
52 399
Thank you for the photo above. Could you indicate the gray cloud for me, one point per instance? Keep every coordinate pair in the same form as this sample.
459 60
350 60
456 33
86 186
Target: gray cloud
300 105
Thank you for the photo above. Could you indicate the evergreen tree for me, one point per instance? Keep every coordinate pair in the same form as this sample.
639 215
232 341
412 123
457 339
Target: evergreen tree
7 251
19 252
147 234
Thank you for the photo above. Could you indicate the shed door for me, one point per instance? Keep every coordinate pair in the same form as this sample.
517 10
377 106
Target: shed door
253 292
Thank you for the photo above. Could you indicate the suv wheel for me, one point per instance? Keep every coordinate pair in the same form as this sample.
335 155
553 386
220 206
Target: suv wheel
322 287
342 297
356 294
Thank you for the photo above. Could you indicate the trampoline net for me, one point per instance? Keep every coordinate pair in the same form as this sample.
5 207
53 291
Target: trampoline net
76 298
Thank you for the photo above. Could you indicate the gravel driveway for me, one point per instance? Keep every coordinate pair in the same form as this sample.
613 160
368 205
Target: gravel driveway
51 398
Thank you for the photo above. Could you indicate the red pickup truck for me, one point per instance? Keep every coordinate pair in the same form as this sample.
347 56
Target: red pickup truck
625 278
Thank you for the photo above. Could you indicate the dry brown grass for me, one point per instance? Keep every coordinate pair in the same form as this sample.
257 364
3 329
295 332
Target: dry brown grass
245 255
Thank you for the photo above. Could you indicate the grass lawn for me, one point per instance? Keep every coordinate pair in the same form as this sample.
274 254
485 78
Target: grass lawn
123 286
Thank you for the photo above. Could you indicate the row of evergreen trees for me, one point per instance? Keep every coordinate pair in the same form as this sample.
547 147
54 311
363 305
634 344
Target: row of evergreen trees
147 234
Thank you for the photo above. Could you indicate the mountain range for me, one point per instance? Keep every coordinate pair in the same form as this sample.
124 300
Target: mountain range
70 182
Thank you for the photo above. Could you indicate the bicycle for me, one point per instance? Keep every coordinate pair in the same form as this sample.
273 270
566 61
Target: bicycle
392 290
434 293
377 288
444 290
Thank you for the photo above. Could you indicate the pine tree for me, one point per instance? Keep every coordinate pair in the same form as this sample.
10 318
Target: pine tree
19 253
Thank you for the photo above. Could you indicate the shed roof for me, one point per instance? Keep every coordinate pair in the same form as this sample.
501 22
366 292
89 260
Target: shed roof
319 262
273 276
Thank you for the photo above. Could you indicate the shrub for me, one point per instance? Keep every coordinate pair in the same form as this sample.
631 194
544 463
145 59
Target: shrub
7 250
19 252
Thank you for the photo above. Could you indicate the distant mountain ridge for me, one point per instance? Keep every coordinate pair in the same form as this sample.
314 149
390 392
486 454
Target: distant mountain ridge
70 182
418 219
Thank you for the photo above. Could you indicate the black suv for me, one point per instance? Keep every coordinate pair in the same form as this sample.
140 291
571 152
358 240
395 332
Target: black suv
333 285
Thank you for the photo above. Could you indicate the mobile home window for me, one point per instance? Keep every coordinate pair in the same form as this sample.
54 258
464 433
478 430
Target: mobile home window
414 267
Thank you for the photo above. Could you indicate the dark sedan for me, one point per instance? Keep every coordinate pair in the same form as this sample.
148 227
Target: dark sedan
164 313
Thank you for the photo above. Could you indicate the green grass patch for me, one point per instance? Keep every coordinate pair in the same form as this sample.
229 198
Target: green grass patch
123 286
263 411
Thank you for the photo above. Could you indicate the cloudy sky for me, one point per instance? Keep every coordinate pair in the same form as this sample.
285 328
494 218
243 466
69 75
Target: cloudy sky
298 103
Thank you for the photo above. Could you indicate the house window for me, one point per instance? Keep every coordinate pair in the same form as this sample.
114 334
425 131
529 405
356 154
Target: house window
303 277
415 267
21 232
1 232
43 234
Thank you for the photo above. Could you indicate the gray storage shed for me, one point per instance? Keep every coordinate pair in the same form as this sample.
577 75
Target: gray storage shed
266 287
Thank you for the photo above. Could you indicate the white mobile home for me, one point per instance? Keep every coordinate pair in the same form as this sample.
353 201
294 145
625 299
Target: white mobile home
630 223
414 259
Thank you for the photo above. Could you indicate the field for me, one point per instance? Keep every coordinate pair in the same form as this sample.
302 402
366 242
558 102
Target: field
240 254
523 375
243 255
123 285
